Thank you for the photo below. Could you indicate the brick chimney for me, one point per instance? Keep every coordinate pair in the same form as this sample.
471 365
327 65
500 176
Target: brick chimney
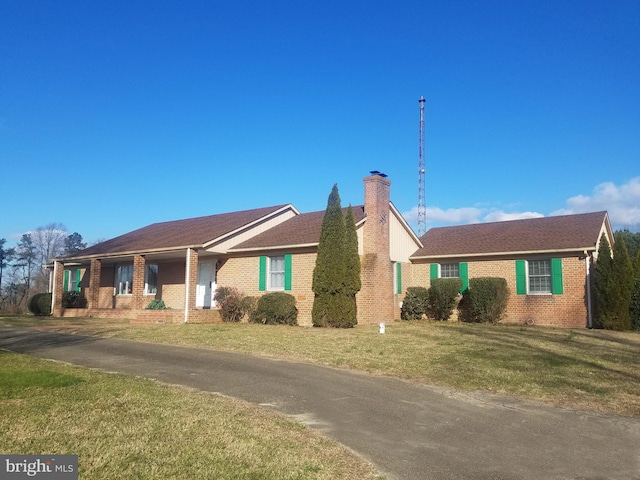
375 299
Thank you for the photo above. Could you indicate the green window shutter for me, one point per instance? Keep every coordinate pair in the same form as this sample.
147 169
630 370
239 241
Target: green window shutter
398 277
287 271
433 271
556 276
463 268
65 285
78 278
262 276
521 278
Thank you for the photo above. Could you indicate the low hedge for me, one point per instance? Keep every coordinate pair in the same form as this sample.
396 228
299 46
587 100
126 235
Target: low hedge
275 308
486 299
73 300
415 304
156 304
443 296
40 304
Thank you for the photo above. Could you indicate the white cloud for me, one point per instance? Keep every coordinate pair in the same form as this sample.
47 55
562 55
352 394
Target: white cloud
500 216
460 216
622 202
454 216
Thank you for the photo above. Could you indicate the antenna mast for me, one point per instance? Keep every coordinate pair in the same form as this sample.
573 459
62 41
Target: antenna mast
422 208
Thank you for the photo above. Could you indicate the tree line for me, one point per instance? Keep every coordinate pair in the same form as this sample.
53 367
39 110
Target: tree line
22 271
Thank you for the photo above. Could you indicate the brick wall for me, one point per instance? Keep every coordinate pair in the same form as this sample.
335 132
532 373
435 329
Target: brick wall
59 286
93 291
242 273
568 309
137 289
171 284
376 298
105 295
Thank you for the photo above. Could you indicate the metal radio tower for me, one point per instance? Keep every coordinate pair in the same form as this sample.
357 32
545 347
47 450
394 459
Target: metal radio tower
422 208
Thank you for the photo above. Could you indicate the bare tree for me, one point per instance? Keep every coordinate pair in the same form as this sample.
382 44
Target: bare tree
48 242
23 267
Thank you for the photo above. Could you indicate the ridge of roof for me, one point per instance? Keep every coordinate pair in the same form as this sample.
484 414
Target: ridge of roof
302 230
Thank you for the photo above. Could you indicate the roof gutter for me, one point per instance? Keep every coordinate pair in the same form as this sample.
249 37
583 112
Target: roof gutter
587 266
69 260
580 251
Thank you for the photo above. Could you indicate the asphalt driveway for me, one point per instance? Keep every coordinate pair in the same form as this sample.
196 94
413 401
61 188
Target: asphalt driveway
408 431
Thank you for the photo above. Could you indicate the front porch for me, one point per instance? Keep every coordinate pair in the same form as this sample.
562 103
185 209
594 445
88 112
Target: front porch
184 280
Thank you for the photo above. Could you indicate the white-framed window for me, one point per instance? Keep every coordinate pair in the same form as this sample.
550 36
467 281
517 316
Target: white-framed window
123 282
151 279
449 270
276 273
539 276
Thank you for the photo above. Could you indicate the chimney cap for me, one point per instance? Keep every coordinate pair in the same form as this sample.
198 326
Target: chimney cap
380 174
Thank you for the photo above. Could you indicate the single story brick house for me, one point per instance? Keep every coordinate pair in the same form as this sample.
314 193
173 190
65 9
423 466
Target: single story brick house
266 249
546 261
274 248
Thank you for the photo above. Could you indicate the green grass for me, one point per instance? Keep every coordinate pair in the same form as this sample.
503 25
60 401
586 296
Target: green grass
588 369
131 428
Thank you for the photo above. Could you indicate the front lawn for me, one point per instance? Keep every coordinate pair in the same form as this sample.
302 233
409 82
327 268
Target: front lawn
587 369
123 427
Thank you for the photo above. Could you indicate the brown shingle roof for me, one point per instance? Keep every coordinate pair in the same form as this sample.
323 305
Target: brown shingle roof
302 229
179 233
563 232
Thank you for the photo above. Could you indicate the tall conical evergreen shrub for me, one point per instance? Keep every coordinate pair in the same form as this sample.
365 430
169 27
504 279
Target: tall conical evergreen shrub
634 308
602 273
621 286
334 283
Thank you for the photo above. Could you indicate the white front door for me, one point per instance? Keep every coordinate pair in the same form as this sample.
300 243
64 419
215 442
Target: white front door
206 284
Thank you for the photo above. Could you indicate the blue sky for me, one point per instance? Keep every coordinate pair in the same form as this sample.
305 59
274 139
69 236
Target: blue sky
115 115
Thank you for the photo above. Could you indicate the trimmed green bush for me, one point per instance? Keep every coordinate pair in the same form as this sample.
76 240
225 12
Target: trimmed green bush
73 300
486 300
248 306
443 295
415 304
40 304
275 308
229 302
156 304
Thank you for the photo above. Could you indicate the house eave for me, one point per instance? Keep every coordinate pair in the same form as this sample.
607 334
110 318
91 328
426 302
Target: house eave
71 260
273 247
576 251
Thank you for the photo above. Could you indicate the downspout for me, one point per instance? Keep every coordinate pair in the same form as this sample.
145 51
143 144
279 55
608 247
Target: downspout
587 260
187 285
52 285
